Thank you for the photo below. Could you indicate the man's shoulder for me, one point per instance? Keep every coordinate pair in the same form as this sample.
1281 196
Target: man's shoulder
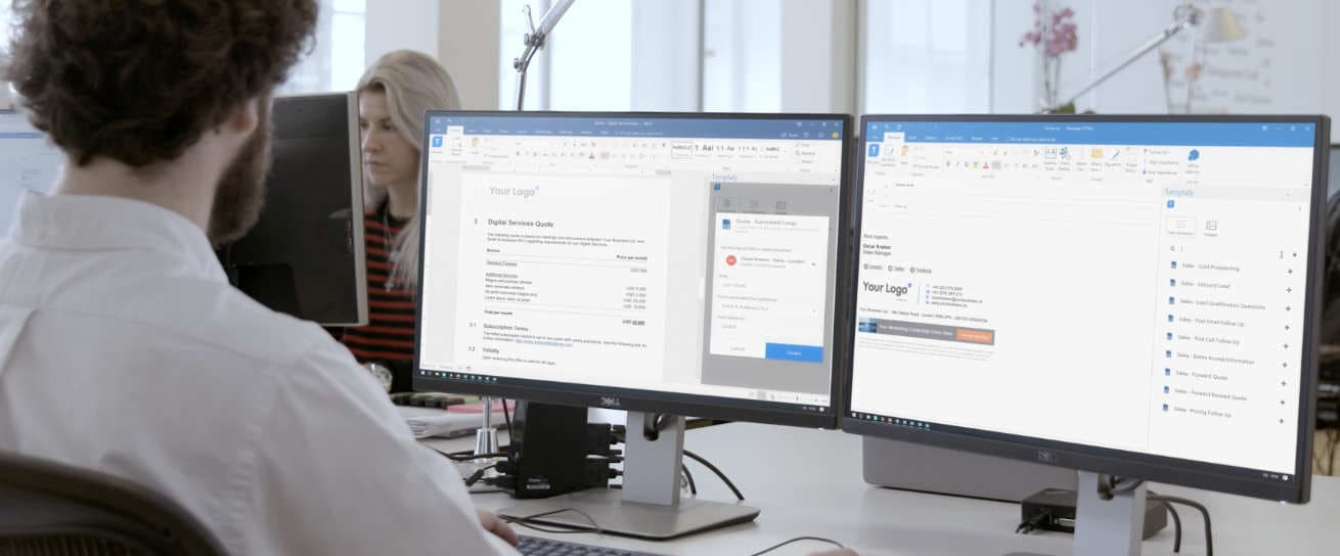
200 311
244 325
163 304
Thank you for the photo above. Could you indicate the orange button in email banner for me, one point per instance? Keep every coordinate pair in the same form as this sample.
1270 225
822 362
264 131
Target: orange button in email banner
975 336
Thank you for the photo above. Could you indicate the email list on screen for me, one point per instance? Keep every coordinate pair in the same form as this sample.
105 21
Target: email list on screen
1144 280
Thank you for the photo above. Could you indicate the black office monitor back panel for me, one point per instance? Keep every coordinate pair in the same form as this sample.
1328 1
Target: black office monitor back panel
1109 461
305 256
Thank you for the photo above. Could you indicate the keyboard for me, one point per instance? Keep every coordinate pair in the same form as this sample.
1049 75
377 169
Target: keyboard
535 546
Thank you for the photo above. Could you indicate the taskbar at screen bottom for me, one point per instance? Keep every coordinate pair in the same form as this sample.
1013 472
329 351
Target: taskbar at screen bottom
715 407
1238 480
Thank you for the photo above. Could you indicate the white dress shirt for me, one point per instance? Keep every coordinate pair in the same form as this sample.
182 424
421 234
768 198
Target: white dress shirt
124 349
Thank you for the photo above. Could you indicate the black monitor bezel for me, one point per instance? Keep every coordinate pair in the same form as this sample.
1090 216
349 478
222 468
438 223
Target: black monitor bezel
1333 151
1102 460
649 400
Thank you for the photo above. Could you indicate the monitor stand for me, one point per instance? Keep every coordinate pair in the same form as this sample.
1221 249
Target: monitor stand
649 505
486 442
1107 527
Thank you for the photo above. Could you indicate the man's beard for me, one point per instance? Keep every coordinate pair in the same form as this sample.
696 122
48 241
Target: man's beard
241 192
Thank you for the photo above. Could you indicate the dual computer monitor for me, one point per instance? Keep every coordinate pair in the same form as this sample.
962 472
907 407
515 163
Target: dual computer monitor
1127 295
682 264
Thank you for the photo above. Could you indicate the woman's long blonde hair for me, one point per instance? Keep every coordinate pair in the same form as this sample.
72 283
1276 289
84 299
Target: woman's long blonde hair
413 84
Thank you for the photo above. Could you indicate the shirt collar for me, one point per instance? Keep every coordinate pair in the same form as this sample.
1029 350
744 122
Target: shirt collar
96 223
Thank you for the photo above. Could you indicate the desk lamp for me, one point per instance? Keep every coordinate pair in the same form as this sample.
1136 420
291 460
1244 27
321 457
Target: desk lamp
1216 25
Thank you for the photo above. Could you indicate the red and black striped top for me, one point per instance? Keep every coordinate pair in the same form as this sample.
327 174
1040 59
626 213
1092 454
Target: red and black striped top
389 336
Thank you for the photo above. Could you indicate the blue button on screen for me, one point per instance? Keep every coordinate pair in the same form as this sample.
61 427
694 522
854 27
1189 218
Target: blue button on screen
787 352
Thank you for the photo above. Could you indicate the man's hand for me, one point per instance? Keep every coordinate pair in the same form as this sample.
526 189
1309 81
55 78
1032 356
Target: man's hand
498 527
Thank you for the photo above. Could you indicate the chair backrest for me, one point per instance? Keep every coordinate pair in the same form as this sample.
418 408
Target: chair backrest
52 509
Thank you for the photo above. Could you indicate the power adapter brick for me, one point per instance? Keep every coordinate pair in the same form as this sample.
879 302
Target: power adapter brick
1053 509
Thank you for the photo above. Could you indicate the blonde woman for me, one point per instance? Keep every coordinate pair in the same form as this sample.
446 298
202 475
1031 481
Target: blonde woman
392 97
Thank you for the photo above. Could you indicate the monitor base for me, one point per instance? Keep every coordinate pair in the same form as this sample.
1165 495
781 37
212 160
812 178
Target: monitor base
650 505
616 516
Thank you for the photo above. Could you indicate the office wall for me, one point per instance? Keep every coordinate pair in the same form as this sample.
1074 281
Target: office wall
818 52
461 34
1013 87
401 24
1330 64
467 46
666 60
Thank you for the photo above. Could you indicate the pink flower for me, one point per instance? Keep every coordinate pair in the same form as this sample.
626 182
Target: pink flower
1060 38
1193 72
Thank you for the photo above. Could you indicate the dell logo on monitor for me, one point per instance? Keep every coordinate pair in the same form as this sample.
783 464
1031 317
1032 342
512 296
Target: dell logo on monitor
608 401
1046 456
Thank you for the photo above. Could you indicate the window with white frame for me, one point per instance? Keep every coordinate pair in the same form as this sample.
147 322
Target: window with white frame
591 64
742 56
5 93
755 56
604 55
4 22
336 60
927 56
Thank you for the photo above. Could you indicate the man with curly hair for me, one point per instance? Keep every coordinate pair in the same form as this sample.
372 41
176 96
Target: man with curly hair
122 346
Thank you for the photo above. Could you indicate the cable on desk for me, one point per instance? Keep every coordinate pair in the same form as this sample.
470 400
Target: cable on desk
472 456
652 428
718 472
702 423
1205 512
1177 526
1032 523
524 522
477 475
464 453
796 540
1110 486
688 478
507 417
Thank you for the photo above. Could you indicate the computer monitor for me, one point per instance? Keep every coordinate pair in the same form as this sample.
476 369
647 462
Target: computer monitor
1132 296
305 257
680 264
1333 184
28 162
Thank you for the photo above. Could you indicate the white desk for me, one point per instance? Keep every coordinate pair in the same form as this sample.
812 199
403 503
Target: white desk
808 482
